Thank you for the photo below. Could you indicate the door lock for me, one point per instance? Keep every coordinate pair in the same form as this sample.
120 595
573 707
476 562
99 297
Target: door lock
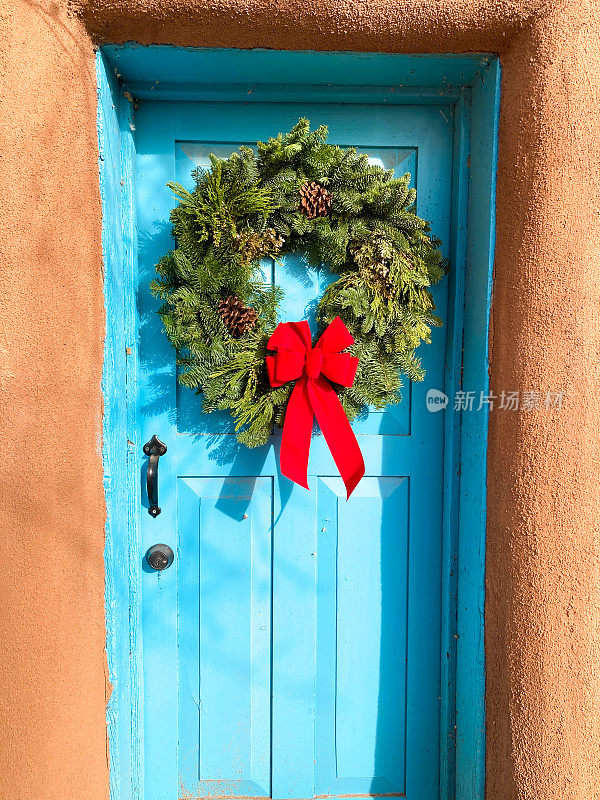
159 557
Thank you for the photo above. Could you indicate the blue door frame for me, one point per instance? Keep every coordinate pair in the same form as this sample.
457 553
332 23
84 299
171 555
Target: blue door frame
471 84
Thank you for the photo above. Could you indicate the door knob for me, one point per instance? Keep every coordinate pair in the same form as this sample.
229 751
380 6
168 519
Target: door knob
160 556
155 449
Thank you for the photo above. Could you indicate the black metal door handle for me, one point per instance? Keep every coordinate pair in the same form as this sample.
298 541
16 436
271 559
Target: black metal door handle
155 449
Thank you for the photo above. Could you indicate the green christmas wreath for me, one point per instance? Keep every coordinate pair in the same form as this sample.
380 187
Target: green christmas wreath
296 194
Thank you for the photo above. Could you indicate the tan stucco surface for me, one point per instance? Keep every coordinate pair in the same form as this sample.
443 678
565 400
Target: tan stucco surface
52 686
543 562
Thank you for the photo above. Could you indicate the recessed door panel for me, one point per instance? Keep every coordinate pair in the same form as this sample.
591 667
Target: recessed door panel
225 581
361 637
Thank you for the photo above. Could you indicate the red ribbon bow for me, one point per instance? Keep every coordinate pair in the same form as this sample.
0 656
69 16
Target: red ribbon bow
313 396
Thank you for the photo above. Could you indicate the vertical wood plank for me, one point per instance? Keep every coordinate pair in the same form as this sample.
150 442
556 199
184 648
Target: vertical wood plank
294 575
452 428
157 398
114 162
470 684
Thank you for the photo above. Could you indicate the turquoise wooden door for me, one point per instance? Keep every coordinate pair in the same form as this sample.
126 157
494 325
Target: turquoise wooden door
293 648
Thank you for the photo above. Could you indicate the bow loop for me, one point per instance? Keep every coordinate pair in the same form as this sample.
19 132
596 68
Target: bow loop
335 337
291 336
340 368
286 366
313 396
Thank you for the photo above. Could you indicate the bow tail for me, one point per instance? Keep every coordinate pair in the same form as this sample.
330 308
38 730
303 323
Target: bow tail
295 439
337 431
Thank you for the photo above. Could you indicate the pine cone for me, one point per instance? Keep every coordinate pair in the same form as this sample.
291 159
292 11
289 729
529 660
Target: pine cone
315 200
237 317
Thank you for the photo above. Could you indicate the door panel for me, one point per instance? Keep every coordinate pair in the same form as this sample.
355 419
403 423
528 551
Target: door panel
225 634
293 649
360 727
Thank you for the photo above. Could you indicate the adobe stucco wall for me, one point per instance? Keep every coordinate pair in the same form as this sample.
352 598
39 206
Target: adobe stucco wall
543 573
52 686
